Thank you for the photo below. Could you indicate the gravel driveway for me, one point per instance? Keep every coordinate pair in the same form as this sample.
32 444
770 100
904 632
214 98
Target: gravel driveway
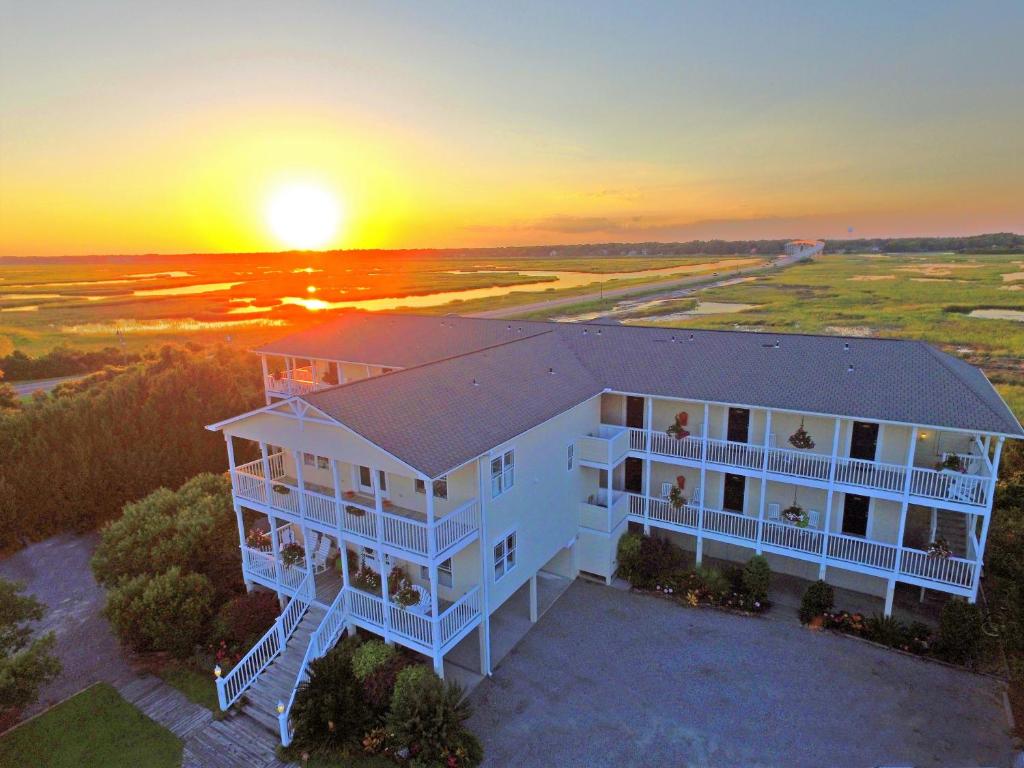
610 678
57 572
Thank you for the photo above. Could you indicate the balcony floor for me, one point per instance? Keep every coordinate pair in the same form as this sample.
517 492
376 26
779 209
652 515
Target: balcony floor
364 499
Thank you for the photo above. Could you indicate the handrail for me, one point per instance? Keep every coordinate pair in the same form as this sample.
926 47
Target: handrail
333 621
265 650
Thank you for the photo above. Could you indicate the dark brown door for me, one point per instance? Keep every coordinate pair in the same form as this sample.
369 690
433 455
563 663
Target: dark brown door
739 425
864 440
634 475
855 515
635 412
732 497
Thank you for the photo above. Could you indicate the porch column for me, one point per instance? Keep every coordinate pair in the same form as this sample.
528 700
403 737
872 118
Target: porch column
828 499
985 520
484 636
435 628
385 570
764 482
290 375
265 460
648 421
533 599
299 457
239 518
890 592
647 496
903 519
338 504
275 548
367 370
703 482
266 378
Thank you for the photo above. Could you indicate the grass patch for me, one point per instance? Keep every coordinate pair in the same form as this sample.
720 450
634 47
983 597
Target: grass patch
199 688
93 729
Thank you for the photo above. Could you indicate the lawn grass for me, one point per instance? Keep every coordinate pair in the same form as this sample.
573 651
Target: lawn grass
93 729
198 687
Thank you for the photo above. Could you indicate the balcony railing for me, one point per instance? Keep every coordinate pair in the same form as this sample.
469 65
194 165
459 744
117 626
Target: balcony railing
970 488
608 445
353 516
296 381
837 548
415 629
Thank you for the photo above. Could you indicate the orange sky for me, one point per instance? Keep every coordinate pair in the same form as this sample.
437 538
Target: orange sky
167 130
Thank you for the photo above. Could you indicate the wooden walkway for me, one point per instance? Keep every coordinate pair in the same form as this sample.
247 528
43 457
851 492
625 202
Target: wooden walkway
237 741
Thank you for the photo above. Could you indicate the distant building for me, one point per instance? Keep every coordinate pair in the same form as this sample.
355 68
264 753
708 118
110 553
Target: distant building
804 248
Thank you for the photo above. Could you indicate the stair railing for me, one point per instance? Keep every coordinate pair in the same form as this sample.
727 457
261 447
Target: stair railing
232 685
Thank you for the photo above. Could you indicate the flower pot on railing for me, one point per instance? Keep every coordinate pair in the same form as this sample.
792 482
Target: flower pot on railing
283 490
953 463
678 428
292 554
355 511
939 549
350 494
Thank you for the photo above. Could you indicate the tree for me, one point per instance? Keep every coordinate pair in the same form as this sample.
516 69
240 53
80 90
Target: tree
428 715
329 712
8 397
25 664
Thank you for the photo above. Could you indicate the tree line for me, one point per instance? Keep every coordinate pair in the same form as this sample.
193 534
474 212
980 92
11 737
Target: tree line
70 461
62 361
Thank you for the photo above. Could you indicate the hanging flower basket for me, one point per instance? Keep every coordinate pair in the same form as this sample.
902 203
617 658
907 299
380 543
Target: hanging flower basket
796 515
675 497
678 428
939 549
292 554
801 439
952 462
284 490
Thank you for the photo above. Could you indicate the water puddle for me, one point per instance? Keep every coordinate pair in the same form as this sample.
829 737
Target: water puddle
172 273
177 325
998 314
187 290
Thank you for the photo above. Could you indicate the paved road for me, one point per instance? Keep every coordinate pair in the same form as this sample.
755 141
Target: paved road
41 385
612 678
669 289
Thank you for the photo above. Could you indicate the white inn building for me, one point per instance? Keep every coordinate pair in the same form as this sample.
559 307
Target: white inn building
493 451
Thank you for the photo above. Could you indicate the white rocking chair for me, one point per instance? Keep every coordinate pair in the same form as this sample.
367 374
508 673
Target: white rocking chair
320 554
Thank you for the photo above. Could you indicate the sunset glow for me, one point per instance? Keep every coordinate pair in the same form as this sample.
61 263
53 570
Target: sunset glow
303 216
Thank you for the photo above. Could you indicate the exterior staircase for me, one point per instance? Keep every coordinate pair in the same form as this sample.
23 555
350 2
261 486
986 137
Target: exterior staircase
952 526
276 682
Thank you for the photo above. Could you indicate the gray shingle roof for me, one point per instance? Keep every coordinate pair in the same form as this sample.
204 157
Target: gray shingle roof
433 416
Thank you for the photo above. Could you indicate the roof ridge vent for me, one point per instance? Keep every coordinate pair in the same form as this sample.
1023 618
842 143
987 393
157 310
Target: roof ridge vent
776 343
849 368
846 346
476 383
691 337
551 371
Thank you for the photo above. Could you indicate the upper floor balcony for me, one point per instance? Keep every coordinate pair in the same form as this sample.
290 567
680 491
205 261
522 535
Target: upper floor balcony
605 447
287 376
354 512
294 381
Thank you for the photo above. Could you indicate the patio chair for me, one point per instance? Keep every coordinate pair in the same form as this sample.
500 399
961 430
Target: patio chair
321 553
773 512
813 517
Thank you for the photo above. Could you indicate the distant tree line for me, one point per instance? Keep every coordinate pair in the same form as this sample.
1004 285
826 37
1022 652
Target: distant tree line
1002 242
62 361
70 460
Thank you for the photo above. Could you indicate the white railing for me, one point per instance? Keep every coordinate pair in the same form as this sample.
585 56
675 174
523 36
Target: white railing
296 381
949 485
244 673
322 640
785 461
871 474
637 439
365 606
792 537
259 563
851 549
359 519
321 508
402 532
685 516
605 446
456 525
413 626
947 570
731 524
682 448
249 486
735 454
459 615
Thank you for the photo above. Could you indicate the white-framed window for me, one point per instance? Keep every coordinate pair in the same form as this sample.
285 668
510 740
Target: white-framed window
366 480
503 472
309 459
322 462
444 573
504 555
440 487
570 456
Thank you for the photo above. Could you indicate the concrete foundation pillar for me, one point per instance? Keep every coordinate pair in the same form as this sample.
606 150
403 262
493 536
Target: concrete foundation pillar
533 598
890 592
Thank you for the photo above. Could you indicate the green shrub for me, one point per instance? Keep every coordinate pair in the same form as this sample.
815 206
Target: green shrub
959 631
818 599
329 713
716 583
887 630
379 684
369 656
757 578
167 612
656 559
427 715
26 662
245 619
629 555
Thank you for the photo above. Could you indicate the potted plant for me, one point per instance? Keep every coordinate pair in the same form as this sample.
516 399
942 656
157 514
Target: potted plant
355 511
292 554
675 497
939 549
796 515
330 376
257 539
276 374
800 439
350 494
951 462
678 428
405 595
366 579
281 489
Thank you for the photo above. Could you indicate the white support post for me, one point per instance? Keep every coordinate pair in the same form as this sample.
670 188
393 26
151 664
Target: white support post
290 374
890 593
829 496
648 421
240 520
265 461
266 378
299 457
764 483
703 483
435 627
307 551
367 371
533 599
385 570
903 518
338 504
986 519
485 572
647 496
275 548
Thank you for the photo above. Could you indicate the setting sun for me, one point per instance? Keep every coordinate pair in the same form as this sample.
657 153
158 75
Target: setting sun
303 216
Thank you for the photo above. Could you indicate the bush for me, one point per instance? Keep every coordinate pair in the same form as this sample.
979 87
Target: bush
245 619
757 578
167 612
818 599
887 630
329 713
715 583
427 715
26 663
370 656
959 631
656 559
379 684
629 555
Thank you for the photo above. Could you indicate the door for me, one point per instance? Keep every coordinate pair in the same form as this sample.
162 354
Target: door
635 412
864 440
634 475
366 482
855 515
739 425
732 495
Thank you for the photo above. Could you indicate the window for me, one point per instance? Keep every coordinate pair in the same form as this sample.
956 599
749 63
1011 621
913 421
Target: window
366 481
322 462
503 473
444 573
505 555
570 454
440 487
308 459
